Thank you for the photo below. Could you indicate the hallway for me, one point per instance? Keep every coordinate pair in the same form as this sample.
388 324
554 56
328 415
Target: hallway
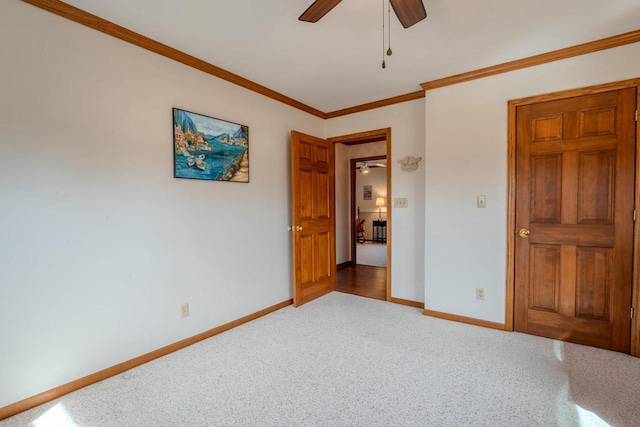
363 280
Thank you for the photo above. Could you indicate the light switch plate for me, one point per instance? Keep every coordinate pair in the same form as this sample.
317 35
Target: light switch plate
482 201
400 203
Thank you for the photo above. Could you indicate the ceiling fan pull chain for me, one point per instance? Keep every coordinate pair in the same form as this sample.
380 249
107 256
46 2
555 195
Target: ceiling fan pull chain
383 64
389 51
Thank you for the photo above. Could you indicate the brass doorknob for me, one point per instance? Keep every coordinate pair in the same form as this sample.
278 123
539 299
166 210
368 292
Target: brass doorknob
524 233
299 228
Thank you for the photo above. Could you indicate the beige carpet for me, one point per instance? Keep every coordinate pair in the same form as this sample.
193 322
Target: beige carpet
345 360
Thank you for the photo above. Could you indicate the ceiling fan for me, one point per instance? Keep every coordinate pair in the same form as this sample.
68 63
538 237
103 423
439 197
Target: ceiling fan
409 12
367 165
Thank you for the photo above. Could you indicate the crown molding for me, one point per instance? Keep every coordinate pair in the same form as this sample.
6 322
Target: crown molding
75 14
531 61
377 104
95 22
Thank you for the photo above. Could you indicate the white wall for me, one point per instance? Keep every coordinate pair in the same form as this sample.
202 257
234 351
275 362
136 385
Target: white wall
406 121
466 156
343 203
100 244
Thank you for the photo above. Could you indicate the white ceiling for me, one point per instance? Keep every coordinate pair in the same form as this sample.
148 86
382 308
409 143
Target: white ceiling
336 63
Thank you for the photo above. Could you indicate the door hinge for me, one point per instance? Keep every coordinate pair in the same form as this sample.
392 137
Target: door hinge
633 312
635 215
636 115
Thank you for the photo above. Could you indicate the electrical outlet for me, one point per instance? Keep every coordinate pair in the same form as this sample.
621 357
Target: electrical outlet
400 203
184 310
482 201
480 293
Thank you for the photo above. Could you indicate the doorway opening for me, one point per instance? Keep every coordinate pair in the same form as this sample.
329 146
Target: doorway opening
363 219
368 209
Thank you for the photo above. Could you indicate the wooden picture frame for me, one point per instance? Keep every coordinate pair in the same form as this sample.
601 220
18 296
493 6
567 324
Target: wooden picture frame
209 148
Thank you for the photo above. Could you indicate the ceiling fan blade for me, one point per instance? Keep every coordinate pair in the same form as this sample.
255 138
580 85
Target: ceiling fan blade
409 12
318 9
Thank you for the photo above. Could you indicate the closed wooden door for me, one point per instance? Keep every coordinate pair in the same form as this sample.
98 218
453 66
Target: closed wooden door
575 172
313 208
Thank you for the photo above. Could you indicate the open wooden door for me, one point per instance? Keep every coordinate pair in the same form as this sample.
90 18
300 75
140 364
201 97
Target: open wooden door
575 172
312 213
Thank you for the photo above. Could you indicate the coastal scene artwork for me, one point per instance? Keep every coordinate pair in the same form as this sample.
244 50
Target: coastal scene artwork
209 148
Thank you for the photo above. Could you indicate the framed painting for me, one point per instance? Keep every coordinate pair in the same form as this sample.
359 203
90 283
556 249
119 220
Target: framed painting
366 192
209 148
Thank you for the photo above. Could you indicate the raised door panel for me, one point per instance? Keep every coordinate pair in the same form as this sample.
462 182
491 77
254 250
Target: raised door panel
324 268
323 191
596 187
546 188
306 195
322 156
305 151
544 284
595 275
545 129
597 122
306 251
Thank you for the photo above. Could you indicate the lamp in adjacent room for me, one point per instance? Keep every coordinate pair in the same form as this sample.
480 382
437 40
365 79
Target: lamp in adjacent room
379 204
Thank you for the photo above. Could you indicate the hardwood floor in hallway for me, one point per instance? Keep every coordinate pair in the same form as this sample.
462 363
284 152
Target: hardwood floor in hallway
363 280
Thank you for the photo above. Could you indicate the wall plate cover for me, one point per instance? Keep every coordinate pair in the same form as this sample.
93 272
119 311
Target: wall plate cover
401 203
